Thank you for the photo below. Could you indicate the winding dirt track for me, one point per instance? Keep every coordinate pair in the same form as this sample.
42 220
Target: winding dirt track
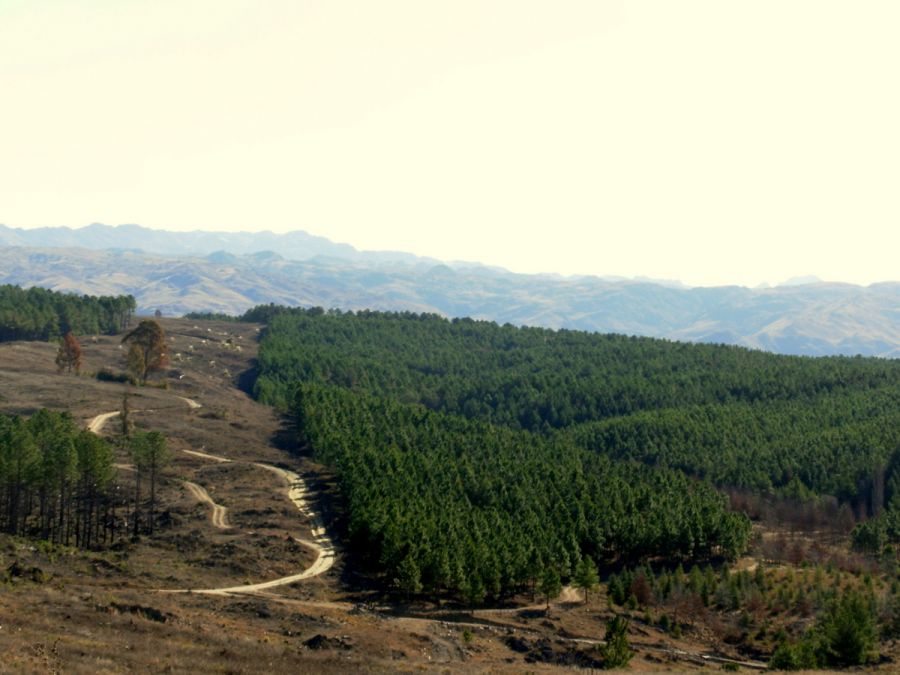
205 455
219 513
296 492
321 544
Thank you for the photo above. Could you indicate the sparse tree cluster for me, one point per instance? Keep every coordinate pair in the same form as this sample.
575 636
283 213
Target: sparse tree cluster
844 632
58 482
844 635
55 480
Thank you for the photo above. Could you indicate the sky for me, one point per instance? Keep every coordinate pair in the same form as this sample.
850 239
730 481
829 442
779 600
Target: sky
710 141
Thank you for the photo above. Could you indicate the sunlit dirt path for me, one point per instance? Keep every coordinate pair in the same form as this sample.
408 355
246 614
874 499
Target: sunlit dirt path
219 515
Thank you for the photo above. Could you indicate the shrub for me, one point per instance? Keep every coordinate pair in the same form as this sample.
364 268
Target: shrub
869 537
794 656
616 653
108 375
847 631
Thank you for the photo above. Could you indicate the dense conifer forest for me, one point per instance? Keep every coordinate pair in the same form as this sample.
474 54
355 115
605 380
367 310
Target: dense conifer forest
473 457
41 314
439 502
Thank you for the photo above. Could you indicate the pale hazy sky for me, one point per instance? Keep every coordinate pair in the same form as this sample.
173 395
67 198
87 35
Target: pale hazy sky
711 141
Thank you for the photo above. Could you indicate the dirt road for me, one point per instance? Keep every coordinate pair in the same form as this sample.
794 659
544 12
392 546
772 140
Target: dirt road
296 492
96 425
205 455
219 515
321 543
192 404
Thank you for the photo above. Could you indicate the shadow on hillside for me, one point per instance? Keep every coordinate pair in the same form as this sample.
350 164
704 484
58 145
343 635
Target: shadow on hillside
322 483
247 380
285 439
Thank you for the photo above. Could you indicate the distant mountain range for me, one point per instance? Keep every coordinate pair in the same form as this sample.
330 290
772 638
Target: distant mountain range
230 272
296 245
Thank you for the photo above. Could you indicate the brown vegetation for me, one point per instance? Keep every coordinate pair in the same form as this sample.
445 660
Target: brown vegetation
68 358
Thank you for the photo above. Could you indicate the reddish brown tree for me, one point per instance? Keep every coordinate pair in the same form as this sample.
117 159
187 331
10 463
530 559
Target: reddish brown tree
68 357
641 589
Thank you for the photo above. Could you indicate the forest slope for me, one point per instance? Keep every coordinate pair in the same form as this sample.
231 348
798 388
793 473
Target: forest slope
451 432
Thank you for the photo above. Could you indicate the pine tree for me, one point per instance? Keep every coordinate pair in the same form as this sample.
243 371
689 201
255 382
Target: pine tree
616 653
135 363
409 577
150 455
551 585
147 349
848 631
125 417
473 590
586 576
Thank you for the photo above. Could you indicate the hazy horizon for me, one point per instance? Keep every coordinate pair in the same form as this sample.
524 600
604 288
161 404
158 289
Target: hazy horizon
792 280
713 143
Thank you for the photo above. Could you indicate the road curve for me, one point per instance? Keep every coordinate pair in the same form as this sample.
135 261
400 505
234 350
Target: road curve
219 515
96 424
296 492
192 404
320 543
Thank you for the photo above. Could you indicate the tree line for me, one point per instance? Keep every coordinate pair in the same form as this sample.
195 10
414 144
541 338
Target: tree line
41 314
